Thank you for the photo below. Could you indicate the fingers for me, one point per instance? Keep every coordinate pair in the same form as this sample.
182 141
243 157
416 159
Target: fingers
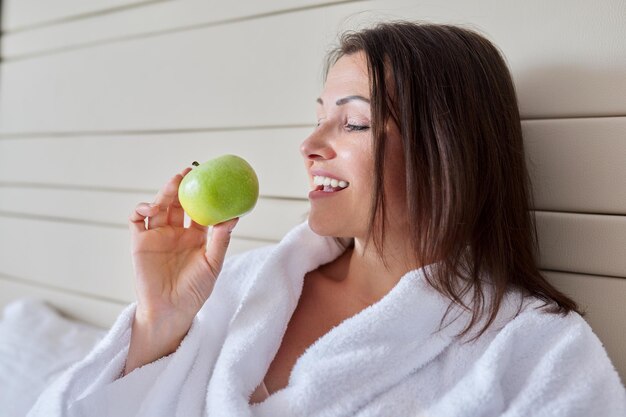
166 208
175 212
137 218
164 199
220 240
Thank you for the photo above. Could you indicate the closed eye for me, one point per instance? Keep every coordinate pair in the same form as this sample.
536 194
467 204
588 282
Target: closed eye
356 128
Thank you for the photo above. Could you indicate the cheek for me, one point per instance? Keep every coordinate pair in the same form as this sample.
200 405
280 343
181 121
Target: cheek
358 161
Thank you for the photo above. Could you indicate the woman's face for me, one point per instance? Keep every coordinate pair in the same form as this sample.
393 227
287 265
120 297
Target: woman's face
340 148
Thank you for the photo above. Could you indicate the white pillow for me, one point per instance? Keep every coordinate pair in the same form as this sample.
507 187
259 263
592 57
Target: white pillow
36 345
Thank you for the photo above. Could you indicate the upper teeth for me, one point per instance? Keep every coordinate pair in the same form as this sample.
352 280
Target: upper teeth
320 180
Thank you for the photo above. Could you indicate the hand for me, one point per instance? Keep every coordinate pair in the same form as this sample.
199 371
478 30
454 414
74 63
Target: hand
175 272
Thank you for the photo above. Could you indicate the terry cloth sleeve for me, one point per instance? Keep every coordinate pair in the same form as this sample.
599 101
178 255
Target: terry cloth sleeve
94 386
100 368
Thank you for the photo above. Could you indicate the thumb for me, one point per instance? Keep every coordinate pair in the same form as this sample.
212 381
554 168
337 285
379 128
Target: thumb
220 239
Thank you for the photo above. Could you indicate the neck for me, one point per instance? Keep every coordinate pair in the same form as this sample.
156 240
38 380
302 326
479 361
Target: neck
361 270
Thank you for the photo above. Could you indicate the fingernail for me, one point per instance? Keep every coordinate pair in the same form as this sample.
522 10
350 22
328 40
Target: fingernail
153 205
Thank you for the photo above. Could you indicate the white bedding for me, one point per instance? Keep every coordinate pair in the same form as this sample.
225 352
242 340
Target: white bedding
36 345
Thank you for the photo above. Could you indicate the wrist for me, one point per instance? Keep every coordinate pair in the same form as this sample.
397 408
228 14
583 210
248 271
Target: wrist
161 326
161 317
153 338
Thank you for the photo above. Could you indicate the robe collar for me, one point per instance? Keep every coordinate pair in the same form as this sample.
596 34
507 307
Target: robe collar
342 371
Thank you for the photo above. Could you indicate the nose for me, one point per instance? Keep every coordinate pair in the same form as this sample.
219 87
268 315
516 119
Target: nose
317 146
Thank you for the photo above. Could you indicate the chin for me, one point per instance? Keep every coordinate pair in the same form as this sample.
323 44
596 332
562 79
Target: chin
328 228
319 227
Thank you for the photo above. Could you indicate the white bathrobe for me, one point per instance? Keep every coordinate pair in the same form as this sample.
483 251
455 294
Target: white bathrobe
387 360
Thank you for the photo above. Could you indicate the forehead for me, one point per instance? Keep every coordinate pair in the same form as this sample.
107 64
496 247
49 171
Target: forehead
349 73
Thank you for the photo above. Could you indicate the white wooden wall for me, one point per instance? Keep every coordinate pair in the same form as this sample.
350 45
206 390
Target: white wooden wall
103 101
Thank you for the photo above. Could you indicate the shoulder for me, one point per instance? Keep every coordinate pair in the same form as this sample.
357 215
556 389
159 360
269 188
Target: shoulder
553 338
543 331
554 363
534 363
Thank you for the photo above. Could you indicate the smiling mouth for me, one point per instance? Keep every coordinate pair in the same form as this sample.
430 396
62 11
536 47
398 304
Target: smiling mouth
328 184
329 188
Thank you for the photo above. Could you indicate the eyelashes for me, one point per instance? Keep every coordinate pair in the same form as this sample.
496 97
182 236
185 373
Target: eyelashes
350 127
356 128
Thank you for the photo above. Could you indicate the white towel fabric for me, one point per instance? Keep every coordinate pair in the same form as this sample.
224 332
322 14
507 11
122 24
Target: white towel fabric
387 360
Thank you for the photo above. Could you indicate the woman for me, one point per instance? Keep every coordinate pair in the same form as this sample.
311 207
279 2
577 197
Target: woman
424 300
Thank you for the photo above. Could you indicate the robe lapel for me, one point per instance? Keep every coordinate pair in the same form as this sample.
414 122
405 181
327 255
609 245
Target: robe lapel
257 327
361 357
368 353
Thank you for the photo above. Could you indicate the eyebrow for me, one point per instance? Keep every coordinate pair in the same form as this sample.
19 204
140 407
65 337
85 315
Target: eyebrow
345 100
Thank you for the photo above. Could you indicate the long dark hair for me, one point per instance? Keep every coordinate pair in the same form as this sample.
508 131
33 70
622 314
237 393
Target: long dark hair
469 195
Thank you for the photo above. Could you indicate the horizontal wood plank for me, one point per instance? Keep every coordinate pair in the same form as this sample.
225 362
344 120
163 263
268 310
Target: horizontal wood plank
276 79
584 243
159 17
25 14
92 310
578 164
568 241
97 258
270 219
89 259
146 162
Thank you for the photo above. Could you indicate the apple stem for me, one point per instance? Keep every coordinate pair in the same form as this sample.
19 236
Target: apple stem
195 163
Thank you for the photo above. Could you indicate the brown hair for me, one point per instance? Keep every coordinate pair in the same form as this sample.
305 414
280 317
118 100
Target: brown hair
450 92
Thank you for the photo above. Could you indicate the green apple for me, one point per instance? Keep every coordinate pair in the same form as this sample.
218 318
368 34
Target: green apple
218 190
